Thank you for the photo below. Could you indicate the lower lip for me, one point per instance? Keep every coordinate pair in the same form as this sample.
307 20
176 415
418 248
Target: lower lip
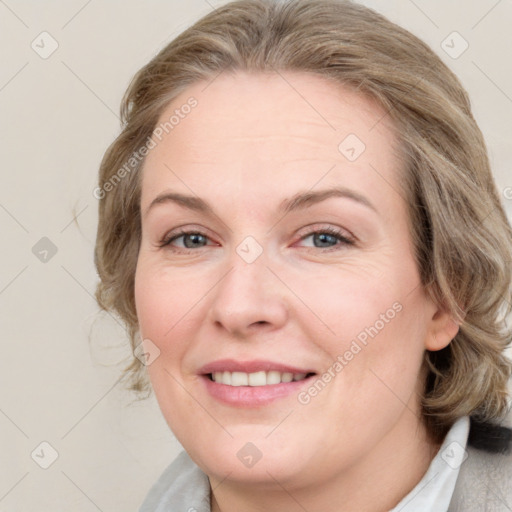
252 396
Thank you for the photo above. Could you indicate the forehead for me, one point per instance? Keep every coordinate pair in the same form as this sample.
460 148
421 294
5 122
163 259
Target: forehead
260 130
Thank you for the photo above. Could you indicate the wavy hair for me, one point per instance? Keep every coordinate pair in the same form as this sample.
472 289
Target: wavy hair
462 239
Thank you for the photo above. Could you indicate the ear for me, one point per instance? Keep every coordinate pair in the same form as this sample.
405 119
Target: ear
442 329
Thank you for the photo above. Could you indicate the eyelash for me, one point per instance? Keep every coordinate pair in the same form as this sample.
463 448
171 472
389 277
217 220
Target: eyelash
344 241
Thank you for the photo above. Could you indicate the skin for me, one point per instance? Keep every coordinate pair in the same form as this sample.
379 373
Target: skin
253 141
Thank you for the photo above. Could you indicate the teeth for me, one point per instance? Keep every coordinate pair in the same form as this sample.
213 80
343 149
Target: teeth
255 379
273 377
239 379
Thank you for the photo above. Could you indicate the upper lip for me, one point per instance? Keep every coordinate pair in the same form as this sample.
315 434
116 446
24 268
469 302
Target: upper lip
230 365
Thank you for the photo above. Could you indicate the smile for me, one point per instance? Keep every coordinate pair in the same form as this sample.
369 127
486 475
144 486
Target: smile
260 378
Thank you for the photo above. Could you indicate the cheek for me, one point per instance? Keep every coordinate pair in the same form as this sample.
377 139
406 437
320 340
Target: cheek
349 305
373 326
164 300
167 313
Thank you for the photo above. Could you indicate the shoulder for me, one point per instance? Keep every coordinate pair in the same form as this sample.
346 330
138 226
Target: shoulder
182 486
485 478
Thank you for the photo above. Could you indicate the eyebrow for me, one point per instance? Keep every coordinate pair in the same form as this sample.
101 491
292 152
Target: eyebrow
305 199
299 201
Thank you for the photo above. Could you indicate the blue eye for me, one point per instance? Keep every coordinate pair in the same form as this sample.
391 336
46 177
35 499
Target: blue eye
327 238
191 239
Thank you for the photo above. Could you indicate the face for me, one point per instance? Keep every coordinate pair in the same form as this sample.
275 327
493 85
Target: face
277 281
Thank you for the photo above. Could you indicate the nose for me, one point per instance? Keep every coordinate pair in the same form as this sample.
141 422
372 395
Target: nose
249 299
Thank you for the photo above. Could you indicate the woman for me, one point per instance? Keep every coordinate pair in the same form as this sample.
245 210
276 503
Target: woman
300 224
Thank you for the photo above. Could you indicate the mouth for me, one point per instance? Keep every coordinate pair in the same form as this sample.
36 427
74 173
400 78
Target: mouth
261 378
252 383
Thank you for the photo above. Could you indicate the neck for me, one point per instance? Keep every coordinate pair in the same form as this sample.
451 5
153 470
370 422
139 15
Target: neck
375 483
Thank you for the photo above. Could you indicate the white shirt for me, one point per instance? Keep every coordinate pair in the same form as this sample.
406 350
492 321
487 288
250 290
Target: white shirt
434 491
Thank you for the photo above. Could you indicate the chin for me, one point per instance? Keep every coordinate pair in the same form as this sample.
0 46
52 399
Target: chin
260 461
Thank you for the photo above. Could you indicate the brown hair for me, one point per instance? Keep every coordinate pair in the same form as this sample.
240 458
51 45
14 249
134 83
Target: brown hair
461 234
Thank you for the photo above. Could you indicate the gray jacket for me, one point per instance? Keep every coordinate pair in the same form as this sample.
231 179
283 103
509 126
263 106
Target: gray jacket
484 483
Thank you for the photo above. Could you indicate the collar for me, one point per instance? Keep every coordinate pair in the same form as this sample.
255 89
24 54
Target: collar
434 491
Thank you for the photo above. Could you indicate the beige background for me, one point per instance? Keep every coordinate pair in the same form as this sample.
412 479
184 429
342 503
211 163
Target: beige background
61 360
